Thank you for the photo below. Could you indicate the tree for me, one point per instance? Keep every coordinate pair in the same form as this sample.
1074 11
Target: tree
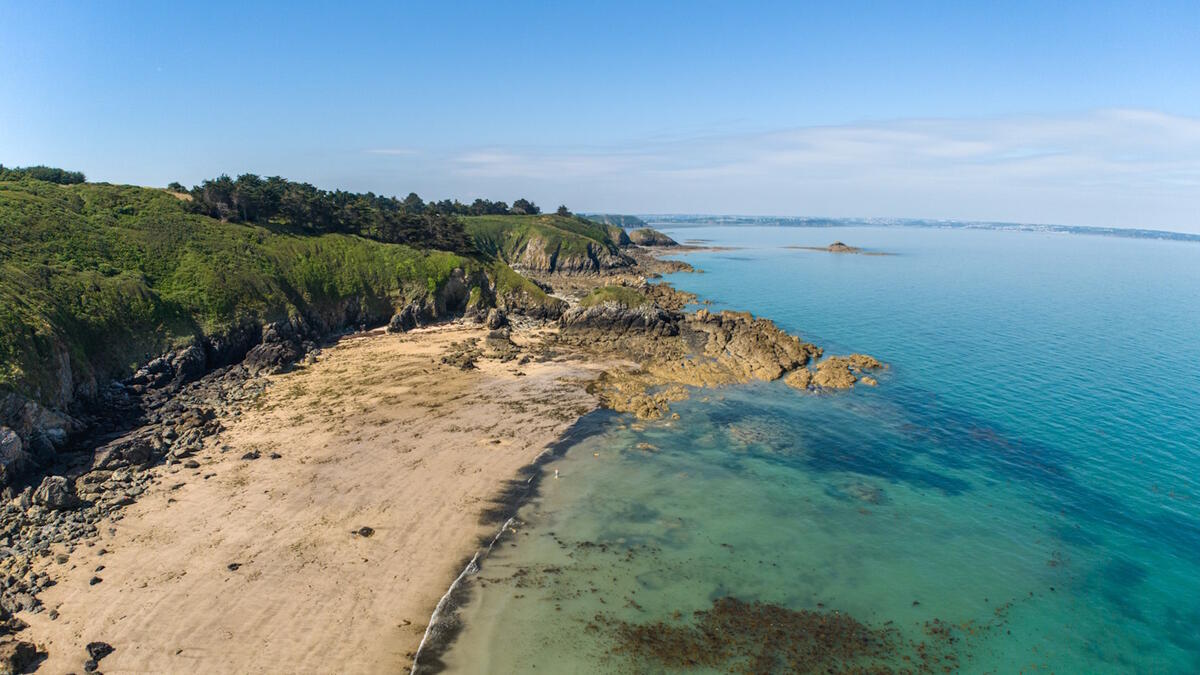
47 173
525 207
563 210
413 203
176 186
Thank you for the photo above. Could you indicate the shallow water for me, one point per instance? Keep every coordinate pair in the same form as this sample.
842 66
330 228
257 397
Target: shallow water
1018 494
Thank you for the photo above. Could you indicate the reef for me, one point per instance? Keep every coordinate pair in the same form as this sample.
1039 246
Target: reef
737 636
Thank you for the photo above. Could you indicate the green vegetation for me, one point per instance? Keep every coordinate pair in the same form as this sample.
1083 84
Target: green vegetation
619 220
303 208
622 295
42 173
105 277
533 240
279 202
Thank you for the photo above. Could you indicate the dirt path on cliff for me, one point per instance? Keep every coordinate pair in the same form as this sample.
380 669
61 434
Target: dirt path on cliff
250 565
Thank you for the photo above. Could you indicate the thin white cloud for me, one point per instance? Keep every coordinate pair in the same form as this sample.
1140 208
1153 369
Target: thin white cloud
1134 168
400 152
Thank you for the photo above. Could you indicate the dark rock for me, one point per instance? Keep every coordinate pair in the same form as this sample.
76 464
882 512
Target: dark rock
271 357
412 316
233 567
617 319
17 656
253 454
648 237
365 531
94 580
99 650
56 493
13 456
135 449
496 319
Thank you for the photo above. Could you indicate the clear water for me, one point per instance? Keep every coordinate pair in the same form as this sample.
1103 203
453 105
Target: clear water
1026 472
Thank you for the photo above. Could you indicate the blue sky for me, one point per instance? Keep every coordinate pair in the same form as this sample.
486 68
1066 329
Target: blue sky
1079 113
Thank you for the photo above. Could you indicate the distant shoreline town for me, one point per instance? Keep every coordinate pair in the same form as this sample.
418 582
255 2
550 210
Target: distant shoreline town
696 220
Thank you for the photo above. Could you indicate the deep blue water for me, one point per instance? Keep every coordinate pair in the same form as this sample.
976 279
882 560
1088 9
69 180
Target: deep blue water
1026 472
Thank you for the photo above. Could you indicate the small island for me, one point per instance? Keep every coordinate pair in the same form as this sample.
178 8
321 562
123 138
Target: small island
838 247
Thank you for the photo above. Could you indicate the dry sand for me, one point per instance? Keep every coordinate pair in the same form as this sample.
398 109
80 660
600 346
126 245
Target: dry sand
378 433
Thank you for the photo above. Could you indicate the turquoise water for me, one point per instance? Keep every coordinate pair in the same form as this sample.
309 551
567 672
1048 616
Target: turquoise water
1019 494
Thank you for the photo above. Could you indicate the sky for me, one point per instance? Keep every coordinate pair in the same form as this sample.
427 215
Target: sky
1037 112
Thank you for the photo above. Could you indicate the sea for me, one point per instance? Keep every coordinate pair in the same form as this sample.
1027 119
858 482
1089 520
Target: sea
1019 494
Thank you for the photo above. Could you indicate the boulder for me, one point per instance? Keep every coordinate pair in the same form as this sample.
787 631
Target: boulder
17 656
99 650
648 237
13 456
496 319
412 316
56 493
271 357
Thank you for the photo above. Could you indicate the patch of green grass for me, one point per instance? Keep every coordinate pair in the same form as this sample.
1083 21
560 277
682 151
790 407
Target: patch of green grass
505 237
622 295
103 276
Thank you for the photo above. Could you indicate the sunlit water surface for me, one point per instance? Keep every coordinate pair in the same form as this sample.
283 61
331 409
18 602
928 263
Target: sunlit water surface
1018 494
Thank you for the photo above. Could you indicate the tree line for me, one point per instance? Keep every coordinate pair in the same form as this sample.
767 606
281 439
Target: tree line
46 173
253 199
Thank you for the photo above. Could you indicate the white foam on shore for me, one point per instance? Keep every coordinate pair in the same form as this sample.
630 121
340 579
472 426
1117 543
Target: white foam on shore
471 568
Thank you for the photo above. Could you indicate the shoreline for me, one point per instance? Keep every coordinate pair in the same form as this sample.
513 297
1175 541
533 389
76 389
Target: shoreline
596 362
153 577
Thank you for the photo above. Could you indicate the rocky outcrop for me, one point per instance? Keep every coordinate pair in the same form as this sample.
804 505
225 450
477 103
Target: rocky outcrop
839 247
615 320
675 351
649 237
496 319
836 372
755 347
619 236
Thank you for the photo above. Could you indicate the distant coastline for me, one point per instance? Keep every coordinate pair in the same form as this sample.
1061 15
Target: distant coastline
686 220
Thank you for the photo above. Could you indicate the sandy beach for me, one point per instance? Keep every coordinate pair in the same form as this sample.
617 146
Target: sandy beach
375 468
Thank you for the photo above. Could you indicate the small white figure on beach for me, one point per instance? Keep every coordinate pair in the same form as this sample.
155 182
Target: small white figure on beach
556 473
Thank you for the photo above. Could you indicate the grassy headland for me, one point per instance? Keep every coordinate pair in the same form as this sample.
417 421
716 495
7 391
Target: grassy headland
546 243
97 278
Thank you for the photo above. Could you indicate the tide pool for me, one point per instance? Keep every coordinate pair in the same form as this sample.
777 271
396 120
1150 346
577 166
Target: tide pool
1018 495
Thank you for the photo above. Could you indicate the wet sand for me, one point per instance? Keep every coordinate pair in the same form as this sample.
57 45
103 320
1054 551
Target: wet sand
255 565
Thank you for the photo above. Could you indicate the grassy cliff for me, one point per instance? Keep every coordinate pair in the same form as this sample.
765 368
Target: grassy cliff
97 278
619 220
546 243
